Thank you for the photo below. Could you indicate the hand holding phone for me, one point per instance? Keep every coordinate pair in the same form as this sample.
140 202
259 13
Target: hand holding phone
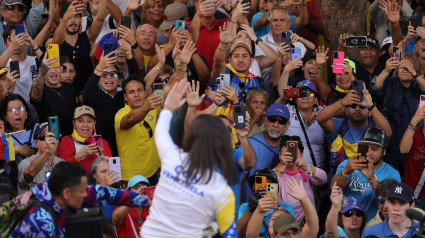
96 139
357 85
239 115
338 62
292 147
115 164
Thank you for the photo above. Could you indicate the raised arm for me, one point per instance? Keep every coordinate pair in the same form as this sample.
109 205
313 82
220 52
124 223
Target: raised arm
227 36
248 158
322 87
407 140
37 86
377 116
332 219
113 196
253 229
33 20
72 10
43 35
115 11
264 61
95 28
289 67
301 20
193 100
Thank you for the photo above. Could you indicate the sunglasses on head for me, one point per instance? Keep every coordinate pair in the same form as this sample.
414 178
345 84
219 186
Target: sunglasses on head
18 7
113 74
381 200
281 121
352 212
354 106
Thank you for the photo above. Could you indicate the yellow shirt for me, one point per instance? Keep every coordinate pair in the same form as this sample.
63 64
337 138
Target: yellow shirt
136 148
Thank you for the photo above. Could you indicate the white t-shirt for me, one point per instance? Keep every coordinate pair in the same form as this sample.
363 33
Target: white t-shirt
179 210
28 73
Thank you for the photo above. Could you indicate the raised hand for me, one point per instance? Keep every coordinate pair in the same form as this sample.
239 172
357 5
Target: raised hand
391 9
294 64
127 34
111 177
283 49
153 101
176 54
230 94
106 61
187 52
241 8
192 97
74 8
46 64
351 98
342 38
391 64
227 35
175 98
161 55
126 49
321 55
298 190
250 31
265 204
336 195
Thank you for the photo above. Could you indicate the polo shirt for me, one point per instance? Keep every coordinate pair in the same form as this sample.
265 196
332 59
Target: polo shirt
383 230
125 229
209 39
264 30
136 147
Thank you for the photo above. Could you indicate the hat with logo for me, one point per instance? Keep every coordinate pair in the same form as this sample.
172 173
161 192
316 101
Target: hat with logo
13 2
373 41
137 179
40 129
373 135
402 191
387 41
108 38
173 12
285 222
349 203
241 44
83 110
306 84
278 109
4 70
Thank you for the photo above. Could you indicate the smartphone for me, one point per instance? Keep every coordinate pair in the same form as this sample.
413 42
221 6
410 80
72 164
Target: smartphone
19 29
77 2
180 24
115 164
397 53
54 126
126 21
356 41
292 147
296 93
362 149
246 1
338 62
53 51
108 48
212 5
271 192
416 19
96 139
149 191
158 89
421 101
14 66
296 52
358 86
239 115
286 37
224 80
260 181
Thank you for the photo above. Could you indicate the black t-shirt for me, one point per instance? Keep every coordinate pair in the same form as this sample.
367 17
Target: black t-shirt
191 69
58 102
363 74
80 54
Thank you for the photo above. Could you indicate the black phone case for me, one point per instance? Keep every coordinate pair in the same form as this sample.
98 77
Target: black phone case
14 66
240 115
126 21
356 41
416 19
286 37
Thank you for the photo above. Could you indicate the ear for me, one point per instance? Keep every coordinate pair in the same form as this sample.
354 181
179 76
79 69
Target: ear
125 96
73 123
385 151
66 193
36 143
413 205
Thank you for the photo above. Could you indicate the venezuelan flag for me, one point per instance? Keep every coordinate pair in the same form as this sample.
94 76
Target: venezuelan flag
7 151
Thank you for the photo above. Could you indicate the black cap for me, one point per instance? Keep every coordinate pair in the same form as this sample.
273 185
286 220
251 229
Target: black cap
402 191
268 173
373 41
374 135
308 55
215 79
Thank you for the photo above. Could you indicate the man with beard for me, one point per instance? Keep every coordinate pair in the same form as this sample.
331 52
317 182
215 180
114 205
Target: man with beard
266 145
343 133
77 45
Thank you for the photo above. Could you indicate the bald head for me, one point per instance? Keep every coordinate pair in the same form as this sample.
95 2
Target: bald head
146 36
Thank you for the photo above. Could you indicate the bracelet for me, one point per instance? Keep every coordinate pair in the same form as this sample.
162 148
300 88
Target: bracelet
385 74
175 75
135 46
38 47
309 170
258 40
411 127
180 68
371 107
344 175
340 101
220 49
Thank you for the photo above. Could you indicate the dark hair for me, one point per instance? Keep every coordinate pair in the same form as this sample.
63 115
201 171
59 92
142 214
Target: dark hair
133 77
166 69
252 42
108 228
285 138
65 175
383 187
13 97
364 218
7 32
208 150
66 59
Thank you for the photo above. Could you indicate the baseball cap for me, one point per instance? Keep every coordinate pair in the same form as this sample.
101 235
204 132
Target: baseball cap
351 63
12 2
373 41
349 203
308 55
306 84
373 135
241 44
387 41
173 12
107 38
285 222
40 129
401 191
215 79
83 110
137 179
278 109
3 70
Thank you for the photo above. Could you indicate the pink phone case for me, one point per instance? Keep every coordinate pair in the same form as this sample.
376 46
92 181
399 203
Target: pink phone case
421 101
338 62
96 139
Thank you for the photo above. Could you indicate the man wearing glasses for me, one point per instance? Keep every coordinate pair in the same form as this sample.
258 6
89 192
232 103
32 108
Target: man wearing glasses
12 12
35 169
360 174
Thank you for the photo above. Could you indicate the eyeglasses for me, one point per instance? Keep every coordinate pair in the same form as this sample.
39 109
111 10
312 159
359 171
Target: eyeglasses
214 88
113 74
18 7
148 127
14 109
281 121
75 53
381 201
352 212
165 80
41 137
354 106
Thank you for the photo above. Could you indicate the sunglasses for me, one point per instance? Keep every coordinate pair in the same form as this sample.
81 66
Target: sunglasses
15 109
354 106
113 74
214 88
281 121
310 95
42 138
165 80
352 212
381 201
18 7
148 127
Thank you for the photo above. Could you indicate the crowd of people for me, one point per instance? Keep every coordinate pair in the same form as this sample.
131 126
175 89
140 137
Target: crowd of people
198 118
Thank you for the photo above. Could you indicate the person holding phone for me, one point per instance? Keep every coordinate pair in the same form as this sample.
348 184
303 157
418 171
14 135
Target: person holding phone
296 168
359 178
77 147
400 93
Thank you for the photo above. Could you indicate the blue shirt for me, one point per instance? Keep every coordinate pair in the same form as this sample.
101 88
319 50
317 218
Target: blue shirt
239 173
264 30
359 187
264 231
383 230
341 233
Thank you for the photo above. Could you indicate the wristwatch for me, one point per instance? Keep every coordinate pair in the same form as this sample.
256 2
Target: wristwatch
371 107
135 46
258 40
416 75
411 127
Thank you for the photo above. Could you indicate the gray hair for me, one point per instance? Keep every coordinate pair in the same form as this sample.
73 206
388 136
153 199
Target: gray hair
256 90
93 168
288 12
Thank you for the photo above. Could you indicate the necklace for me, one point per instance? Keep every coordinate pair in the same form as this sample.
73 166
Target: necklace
53 90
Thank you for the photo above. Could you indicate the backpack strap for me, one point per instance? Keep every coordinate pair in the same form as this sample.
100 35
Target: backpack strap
306 137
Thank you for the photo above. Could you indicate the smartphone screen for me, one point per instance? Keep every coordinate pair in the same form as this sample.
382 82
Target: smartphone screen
362 149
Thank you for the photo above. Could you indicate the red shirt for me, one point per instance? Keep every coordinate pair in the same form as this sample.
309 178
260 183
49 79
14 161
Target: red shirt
125 229
414 161
313 13
209 39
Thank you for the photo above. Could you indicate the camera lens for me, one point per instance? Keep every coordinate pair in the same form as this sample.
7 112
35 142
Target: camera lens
258 180
336 55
